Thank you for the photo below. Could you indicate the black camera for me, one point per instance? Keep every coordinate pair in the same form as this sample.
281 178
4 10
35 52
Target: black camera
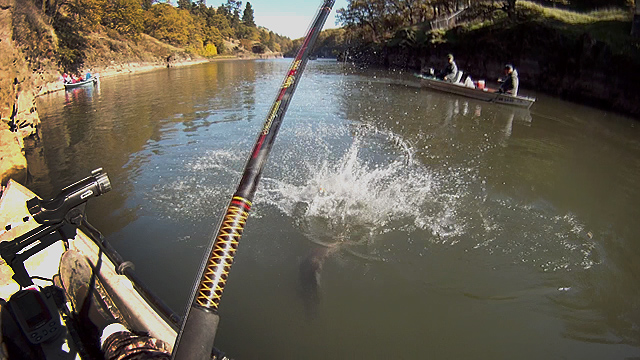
55 210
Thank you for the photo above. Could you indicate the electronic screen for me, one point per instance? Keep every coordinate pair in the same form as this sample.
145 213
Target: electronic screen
37 314
33 309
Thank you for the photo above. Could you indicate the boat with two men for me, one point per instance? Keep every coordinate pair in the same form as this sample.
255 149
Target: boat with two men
474 90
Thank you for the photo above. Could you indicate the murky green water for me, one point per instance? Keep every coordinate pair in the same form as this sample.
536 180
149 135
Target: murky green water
457 229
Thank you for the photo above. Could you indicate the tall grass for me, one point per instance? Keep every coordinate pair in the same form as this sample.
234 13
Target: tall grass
574 17
610 25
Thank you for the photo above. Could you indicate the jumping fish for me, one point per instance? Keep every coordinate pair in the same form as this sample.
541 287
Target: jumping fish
310 271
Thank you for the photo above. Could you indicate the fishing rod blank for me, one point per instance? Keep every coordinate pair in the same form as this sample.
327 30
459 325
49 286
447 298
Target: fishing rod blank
196 337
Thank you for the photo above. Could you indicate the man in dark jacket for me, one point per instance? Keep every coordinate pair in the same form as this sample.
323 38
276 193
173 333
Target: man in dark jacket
450 72
510 82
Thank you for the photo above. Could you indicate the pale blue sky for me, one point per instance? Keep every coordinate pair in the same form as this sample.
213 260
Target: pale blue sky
287 17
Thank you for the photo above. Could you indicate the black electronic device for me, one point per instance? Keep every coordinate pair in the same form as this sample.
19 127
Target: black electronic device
59 208
37 314
59 219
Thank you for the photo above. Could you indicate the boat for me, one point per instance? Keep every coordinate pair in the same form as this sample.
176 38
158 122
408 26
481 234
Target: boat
474 92
92 80
46 245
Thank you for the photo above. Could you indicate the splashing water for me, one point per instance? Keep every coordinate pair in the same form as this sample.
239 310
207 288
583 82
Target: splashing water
200 190
374 191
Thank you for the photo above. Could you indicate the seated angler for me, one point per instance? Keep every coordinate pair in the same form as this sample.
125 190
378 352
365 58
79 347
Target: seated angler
449 73
510 82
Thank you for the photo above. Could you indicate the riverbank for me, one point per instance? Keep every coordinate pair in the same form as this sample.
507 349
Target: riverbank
25 121
29 67
33 54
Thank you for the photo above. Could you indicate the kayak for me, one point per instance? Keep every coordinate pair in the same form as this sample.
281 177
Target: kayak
485 94
46 245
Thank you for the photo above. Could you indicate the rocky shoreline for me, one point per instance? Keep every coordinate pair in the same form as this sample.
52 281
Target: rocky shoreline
29 67
23 120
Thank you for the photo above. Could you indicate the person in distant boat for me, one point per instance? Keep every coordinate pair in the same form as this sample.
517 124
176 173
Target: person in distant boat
510 82
449 73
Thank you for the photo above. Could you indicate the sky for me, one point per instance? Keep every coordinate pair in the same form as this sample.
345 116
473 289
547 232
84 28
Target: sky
287 17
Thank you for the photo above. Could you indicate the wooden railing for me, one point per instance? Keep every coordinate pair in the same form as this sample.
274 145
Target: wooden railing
447 22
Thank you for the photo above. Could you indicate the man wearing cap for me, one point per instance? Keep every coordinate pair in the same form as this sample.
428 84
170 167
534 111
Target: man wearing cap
449 73
510 82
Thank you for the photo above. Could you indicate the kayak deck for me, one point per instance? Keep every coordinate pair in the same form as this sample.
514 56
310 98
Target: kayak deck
132 309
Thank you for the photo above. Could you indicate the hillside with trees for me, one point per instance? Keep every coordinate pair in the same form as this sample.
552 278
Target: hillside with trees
40 39
379 20
191 25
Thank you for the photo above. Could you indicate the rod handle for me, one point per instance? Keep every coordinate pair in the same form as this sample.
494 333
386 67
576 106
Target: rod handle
199 334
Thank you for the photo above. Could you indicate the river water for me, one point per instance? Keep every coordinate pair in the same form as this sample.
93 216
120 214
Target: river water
453 228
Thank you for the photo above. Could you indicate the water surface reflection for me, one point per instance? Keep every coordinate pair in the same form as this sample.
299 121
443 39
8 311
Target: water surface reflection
450 221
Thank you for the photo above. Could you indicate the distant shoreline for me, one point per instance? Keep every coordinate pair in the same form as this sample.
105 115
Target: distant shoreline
138 67
14 164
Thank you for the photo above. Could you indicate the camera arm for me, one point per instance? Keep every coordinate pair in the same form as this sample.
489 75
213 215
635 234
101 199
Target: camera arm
62 214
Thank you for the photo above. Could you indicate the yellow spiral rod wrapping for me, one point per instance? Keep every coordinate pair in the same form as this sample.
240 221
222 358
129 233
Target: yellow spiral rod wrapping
217 270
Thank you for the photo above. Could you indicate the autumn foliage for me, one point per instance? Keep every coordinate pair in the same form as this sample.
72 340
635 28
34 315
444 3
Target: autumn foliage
191 25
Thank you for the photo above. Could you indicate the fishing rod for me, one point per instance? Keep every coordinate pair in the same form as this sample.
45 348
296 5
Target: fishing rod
196 336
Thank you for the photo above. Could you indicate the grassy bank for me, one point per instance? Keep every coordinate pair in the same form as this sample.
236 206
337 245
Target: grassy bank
586 57
611 26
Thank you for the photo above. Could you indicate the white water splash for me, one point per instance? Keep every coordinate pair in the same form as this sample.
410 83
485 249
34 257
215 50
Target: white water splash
355 191
376 188
198 192
364 188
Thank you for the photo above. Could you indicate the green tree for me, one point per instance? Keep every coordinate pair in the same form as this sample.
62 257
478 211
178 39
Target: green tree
71 42
184 4
223 11
409 12
234 10
247 16
365 16
264 36
221 22
378 20
169 24
214 36
146 4
246 32
87 14
271 41
231 10
124 16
